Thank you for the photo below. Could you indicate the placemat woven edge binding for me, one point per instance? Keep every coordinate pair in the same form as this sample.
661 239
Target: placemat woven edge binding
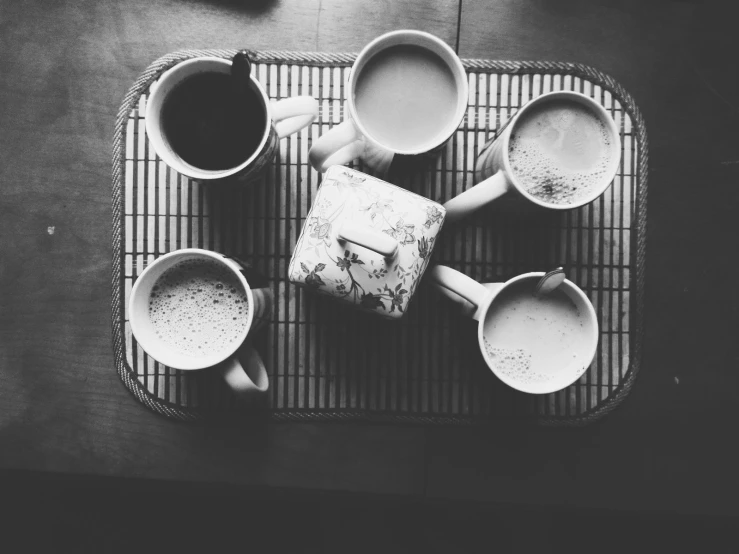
328 60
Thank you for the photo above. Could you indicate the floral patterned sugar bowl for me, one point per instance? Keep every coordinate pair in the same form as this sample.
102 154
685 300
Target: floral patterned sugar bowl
366 242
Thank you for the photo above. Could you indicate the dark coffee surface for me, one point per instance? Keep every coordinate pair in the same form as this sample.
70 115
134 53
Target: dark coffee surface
210 124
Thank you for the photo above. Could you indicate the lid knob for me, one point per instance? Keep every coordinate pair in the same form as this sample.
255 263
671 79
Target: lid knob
383 244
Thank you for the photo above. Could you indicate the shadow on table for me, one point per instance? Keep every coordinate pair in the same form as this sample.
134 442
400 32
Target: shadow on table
255 7
52 513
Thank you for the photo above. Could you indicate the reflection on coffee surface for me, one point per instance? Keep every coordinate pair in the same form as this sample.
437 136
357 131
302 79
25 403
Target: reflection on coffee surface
209 124
198 307
560 151
534 339
405 96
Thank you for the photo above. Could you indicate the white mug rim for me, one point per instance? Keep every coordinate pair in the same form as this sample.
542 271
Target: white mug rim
458 70
156 136
602 114
148 343
592 318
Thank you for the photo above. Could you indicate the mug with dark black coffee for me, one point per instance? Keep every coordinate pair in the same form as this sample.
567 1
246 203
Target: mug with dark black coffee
206 125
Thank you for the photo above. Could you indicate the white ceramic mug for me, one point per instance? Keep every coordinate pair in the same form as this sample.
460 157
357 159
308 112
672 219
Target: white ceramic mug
495 176
351 139
283 118
567 358
248 380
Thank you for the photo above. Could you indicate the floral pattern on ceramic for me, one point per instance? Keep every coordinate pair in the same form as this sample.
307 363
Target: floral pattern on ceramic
340 269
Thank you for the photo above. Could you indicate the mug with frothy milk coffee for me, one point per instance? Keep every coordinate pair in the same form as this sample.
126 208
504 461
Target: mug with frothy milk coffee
406 94
535 343
193 309
560 151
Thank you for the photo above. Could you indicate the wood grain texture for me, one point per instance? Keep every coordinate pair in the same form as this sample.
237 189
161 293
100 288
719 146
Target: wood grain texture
65 70
666 447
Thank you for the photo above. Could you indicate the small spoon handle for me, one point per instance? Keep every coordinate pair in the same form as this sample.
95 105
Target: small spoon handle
241 70
550 281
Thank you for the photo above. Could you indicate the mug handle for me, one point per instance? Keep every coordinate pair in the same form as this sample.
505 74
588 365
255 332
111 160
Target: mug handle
247 381
340 145
467 293
383 244
292 114
478 196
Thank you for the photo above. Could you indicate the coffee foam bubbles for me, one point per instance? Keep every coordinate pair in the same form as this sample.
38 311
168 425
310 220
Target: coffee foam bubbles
560 152
514 363
198 308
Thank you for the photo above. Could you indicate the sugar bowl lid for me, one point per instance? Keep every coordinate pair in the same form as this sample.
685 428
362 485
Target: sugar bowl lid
366 242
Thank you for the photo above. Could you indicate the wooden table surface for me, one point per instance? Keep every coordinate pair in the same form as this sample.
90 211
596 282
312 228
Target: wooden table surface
64 68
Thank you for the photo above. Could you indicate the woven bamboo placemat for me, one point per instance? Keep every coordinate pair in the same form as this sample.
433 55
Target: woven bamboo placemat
327 362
